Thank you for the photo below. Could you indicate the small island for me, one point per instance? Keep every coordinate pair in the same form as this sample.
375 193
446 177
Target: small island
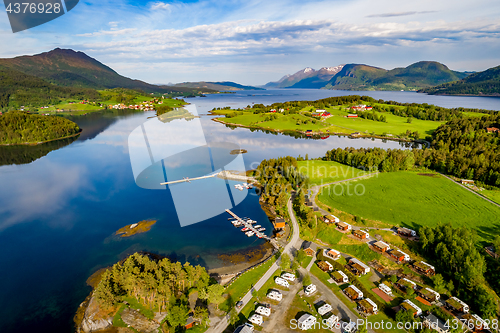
354 116
18 128
135 228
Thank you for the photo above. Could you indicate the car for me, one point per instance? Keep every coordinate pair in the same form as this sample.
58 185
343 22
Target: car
288 276
263 311
310 289
239 304
282 282
256 319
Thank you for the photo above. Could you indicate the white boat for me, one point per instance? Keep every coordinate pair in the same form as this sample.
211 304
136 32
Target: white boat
261 229
245 229
249 233
257 226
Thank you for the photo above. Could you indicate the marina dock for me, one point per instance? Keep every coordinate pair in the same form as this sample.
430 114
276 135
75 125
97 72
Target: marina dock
251 227
188 180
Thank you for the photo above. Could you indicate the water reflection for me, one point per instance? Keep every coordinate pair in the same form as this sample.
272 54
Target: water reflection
168 151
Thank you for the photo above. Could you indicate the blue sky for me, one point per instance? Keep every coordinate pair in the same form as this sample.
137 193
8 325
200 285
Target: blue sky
255 41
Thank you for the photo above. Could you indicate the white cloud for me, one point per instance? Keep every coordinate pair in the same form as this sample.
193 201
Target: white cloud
160 6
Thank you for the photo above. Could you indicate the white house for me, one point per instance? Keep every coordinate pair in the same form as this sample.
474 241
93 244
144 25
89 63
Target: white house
386 289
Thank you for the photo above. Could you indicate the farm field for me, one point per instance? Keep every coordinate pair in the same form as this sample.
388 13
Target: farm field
395 125
322 172
411 199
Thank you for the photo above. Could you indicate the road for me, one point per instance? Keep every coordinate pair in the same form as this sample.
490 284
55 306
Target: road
290 249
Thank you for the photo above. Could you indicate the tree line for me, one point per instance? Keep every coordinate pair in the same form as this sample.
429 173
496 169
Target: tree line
460 147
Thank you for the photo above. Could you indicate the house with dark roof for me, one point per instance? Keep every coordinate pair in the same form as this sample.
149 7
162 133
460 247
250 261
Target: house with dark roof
309 248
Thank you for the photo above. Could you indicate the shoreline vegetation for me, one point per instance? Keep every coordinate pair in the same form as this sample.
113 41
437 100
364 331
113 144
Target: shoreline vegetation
354 116
18 128
135 228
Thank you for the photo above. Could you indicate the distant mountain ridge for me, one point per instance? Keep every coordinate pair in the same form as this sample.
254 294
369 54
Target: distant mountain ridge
364 77
220 86
306 78
481 83
69 68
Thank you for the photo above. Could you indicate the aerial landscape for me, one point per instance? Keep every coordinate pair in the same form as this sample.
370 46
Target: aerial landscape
229 166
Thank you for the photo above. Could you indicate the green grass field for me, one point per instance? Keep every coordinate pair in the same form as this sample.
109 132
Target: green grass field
337 123
242 285
395 125
322 172
413 200
493 195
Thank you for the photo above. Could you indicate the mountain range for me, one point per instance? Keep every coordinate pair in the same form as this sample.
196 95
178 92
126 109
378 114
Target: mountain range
306 78
364 77
482 83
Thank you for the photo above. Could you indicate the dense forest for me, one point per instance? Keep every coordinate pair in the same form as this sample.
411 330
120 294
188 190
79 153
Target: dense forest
17 127
278 178
160 285
461 147
18 89
456 254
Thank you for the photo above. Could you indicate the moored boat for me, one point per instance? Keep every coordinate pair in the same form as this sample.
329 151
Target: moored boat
249 233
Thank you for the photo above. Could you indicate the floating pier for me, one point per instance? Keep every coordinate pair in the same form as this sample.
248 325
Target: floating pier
188 180
251 228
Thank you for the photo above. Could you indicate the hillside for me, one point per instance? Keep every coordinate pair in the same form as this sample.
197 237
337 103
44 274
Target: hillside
482 83
18 89
219 86
65 67
306 78
418 75
355 77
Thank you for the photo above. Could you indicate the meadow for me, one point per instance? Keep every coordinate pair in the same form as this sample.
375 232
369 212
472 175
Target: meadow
322 172
336 123
413 199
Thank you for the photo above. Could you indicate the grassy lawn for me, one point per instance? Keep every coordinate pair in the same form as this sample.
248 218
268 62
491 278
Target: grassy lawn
395 125
322 172
413 200
242 285
493 195
329 234
197 329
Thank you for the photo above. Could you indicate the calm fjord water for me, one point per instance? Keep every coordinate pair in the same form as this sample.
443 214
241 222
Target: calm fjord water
58 214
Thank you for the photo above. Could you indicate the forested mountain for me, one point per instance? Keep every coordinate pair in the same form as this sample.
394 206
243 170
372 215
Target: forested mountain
219 86
418 75
18 89
65 67
17 127
482 83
